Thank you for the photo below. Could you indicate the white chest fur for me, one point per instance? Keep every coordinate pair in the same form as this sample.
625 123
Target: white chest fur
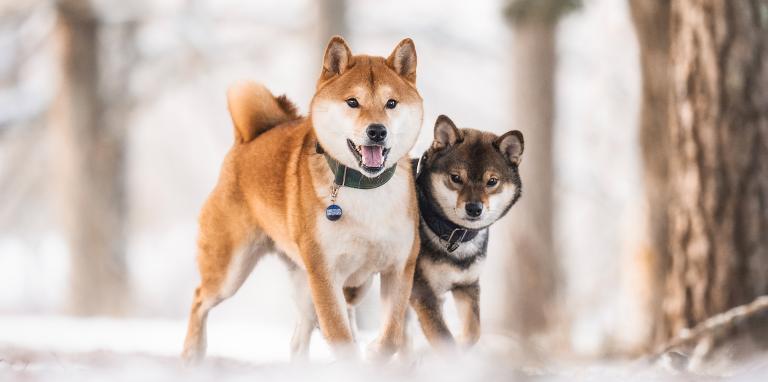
443 276
374 233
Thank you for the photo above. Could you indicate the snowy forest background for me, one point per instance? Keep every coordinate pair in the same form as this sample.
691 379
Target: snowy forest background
98 208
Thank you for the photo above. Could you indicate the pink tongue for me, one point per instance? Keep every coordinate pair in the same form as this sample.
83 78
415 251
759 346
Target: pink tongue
372 156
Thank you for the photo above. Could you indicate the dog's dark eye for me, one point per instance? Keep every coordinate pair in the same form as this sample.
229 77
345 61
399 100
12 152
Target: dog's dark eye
492 182
391 104
455 179
352 102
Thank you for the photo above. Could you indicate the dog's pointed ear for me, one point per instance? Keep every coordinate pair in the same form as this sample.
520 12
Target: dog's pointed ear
403 60
337 57
511 146
446 133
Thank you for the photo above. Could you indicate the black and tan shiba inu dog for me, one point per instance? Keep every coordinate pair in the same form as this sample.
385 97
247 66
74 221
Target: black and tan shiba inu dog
465 182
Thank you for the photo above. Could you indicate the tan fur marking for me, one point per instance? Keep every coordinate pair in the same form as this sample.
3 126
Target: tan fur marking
468 306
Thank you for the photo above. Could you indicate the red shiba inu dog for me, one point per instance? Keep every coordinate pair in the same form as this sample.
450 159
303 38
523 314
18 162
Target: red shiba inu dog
332 193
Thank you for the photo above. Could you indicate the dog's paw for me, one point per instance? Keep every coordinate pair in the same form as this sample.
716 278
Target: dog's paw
380 351
346 352
466 342
192 356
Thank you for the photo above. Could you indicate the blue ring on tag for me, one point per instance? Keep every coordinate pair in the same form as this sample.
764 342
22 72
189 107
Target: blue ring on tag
333 212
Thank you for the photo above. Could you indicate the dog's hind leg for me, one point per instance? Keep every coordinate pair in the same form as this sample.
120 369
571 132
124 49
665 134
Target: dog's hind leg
307 319
223 269
429 310
396 284
406 351
195 342
353 296
328 297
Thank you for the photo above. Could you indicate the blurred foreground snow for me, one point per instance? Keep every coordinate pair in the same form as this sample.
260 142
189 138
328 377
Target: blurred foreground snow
66 349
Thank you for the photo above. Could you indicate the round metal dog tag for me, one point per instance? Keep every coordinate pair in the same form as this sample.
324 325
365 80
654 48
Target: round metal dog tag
333 212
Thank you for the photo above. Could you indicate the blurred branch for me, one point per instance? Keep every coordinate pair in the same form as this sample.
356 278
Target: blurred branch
34 28
28 32
22 170
716 323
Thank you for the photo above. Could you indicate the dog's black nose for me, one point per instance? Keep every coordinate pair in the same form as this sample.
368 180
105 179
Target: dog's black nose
474 209
376 132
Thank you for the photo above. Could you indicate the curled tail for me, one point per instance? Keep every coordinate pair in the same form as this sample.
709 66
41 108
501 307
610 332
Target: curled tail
255 110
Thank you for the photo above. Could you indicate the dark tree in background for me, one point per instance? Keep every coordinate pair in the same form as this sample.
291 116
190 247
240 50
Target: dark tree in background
713 238
88 119
533 268
718 228
651 19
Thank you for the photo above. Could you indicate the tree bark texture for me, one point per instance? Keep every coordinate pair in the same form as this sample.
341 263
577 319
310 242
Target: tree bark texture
718 160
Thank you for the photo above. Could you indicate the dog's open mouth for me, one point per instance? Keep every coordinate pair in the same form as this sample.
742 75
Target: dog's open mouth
371 157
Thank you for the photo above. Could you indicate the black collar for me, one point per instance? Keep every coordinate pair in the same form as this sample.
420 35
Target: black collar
347 177
449 232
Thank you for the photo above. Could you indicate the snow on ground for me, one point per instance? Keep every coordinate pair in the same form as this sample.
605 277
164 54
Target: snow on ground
231 339
65 349
100 366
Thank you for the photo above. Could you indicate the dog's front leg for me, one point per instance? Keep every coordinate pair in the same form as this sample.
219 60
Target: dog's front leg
330 306
396 286
429 309
467 299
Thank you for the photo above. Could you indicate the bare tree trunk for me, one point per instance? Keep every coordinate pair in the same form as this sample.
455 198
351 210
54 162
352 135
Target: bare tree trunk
90 165
718 211
533 283
651 19
332 20
533 267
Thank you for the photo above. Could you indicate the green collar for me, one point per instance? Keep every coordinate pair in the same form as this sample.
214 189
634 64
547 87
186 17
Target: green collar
347 177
